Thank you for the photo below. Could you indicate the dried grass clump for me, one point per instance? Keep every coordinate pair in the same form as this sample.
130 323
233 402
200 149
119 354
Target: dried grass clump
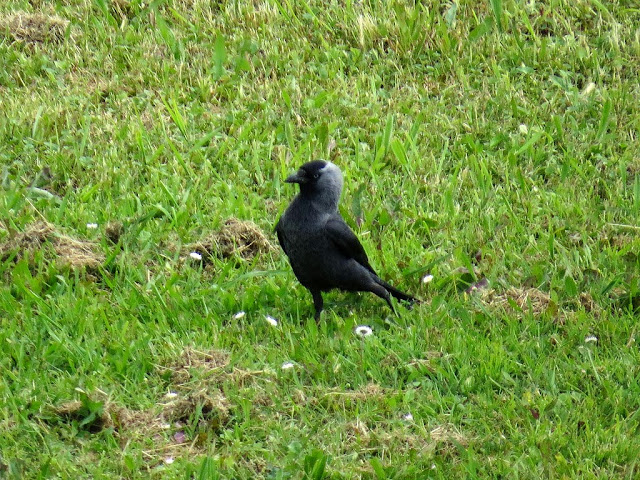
447 433
123 9
443 439
209 361
163 424
236 238
589 304
213 407
114 231
349 397
34 27
67 251
525 298
368 391
376 439
75 410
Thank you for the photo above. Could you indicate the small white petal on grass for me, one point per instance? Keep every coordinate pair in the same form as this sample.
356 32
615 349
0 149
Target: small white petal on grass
171 395
169 460
239 315
195 256
287 365
92 226
588 89
407 417
523 129
165 426
272 321
591 339
363 331
427 278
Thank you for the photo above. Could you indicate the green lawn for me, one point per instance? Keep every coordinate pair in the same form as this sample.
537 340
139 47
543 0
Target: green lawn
493 145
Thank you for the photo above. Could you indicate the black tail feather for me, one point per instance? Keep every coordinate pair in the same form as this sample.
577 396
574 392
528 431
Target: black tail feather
405 297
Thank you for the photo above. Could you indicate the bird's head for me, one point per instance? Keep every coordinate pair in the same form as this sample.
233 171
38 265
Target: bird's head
319 178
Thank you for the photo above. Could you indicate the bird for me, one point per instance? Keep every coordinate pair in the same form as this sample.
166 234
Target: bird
323 251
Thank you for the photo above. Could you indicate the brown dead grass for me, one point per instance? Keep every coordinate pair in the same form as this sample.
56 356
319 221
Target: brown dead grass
66 251
378 440
76 411
185 423
211 368
34 27
524 298
538 301
161 427
213 407
589 304
443 437
209 361
114 231
236 238
371 390
123 9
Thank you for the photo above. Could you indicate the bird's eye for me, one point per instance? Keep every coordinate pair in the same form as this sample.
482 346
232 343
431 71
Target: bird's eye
316 175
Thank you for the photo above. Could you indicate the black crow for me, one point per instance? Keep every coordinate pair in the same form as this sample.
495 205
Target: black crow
323 251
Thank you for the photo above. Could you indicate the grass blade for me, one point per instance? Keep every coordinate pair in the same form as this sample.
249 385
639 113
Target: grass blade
604 119
219 57
496 6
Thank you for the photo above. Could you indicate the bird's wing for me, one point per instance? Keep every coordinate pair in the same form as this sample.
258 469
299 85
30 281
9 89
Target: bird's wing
281 239
346 241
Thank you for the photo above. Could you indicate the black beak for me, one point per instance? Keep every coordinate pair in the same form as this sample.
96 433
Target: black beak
298 177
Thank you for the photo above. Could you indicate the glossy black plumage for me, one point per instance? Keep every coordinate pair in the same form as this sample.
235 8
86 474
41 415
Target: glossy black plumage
323 250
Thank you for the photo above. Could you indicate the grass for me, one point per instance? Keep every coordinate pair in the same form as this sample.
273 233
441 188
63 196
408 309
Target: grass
489 144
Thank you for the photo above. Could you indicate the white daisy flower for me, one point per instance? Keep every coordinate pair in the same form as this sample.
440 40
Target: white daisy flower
171 395
523 129
92 226
428 278
169 460
407 417
272 321
195 256
591 339
239 315
287 365
363 331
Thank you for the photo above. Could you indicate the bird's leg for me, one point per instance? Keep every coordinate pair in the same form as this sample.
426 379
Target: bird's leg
383 293
317 303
